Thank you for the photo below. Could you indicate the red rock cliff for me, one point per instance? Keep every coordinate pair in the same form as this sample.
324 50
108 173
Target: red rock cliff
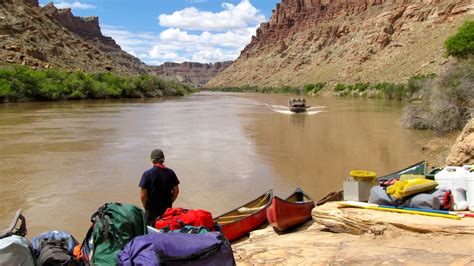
86 27
347 41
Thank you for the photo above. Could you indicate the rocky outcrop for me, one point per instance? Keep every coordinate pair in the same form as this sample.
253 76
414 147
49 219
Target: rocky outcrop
462 152
50 37
347 41
195 74
86 27
364 237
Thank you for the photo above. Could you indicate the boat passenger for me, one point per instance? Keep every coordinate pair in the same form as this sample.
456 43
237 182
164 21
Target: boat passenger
158 187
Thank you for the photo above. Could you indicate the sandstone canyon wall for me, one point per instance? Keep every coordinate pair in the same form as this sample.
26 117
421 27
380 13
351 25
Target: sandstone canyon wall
347 41
50 37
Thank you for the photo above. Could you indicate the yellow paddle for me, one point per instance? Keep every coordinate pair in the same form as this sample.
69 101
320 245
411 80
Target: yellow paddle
376 207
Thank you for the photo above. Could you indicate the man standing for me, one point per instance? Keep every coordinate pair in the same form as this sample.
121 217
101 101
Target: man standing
159 187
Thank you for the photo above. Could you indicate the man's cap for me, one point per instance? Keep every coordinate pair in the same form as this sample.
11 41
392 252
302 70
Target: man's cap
157 155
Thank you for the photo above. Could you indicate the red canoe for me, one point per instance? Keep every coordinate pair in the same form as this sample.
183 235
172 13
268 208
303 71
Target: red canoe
296 209
235 224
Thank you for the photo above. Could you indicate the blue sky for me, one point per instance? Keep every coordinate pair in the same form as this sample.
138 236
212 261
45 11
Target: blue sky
158 31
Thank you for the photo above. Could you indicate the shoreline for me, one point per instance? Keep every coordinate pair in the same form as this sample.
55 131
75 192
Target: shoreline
387 238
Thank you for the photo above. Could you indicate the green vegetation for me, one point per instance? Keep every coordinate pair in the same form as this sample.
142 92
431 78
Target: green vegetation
20 83
461 44
450 103
308 89
388 90
449 100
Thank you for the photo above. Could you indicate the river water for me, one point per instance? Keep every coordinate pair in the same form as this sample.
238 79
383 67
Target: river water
61 161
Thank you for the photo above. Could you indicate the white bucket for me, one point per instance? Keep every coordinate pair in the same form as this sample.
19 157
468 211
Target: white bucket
454 178
470 186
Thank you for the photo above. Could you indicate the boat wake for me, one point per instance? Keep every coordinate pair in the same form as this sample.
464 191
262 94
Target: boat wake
284 110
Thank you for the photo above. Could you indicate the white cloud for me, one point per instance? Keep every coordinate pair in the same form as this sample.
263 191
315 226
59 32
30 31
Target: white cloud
213 55
205 37
232 17
73 5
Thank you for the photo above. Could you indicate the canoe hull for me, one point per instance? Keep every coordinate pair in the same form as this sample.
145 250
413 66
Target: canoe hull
238 229
235 228
283 214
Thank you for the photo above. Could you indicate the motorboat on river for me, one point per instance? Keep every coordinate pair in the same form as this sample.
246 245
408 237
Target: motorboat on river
297 105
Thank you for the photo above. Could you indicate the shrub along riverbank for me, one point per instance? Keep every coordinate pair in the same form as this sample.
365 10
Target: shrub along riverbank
21 84
399 91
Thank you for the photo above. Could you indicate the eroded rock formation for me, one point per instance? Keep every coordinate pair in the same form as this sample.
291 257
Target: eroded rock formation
347 41
462 152
50 37
195 74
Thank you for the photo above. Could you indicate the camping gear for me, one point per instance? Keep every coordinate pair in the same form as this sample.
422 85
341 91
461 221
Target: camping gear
114 225
17 226
54 252
432 200
62 237
178 249
437 199
294 210
55 248
175 218
408 187
235 224
187 229
418 168
378 195
470 186
370 206
411 176
362 175
15 249
455 179
357 190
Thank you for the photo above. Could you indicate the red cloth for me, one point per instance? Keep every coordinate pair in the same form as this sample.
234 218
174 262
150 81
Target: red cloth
162 166
175 218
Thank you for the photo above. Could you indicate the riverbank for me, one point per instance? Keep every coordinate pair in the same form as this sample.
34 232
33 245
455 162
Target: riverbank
361 236
23 84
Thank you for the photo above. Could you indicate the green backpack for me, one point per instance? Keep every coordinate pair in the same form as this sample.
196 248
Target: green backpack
114 225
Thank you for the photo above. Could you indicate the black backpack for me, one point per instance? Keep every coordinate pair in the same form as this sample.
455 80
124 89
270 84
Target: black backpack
55 252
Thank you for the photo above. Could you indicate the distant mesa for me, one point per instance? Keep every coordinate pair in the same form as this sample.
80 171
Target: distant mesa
196 74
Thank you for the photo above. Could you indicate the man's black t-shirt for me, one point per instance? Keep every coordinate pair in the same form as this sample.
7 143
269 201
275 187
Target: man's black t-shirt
159 183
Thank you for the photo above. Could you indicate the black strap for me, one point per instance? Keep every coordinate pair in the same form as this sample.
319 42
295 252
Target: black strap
54 255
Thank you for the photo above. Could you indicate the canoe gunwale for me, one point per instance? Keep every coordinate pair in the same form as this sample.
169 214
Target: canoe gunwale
268 194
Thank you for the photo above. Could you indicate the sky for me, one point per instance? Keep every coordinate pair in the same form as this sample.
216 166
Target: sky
158 31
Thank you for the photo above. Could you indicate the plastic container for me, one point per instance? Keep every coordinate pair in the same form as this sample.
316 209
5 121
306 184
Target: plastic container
454 178
470 186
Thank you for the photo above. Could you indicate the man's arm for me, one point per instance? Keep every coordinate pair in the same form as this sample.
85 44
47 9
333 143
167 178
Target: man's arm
143 197
175 193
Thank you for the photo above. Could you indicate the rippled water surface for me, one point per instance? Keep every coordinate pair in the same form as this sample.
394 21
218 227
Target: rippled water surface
59 162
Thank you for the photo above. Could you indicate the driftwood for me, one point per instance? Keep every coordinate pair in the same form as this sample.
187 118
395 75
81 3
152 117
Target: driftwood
360 221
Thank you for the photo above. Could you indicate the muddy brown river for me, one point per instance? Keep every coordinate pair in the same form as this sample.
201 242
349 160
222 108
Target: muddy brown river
59 162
